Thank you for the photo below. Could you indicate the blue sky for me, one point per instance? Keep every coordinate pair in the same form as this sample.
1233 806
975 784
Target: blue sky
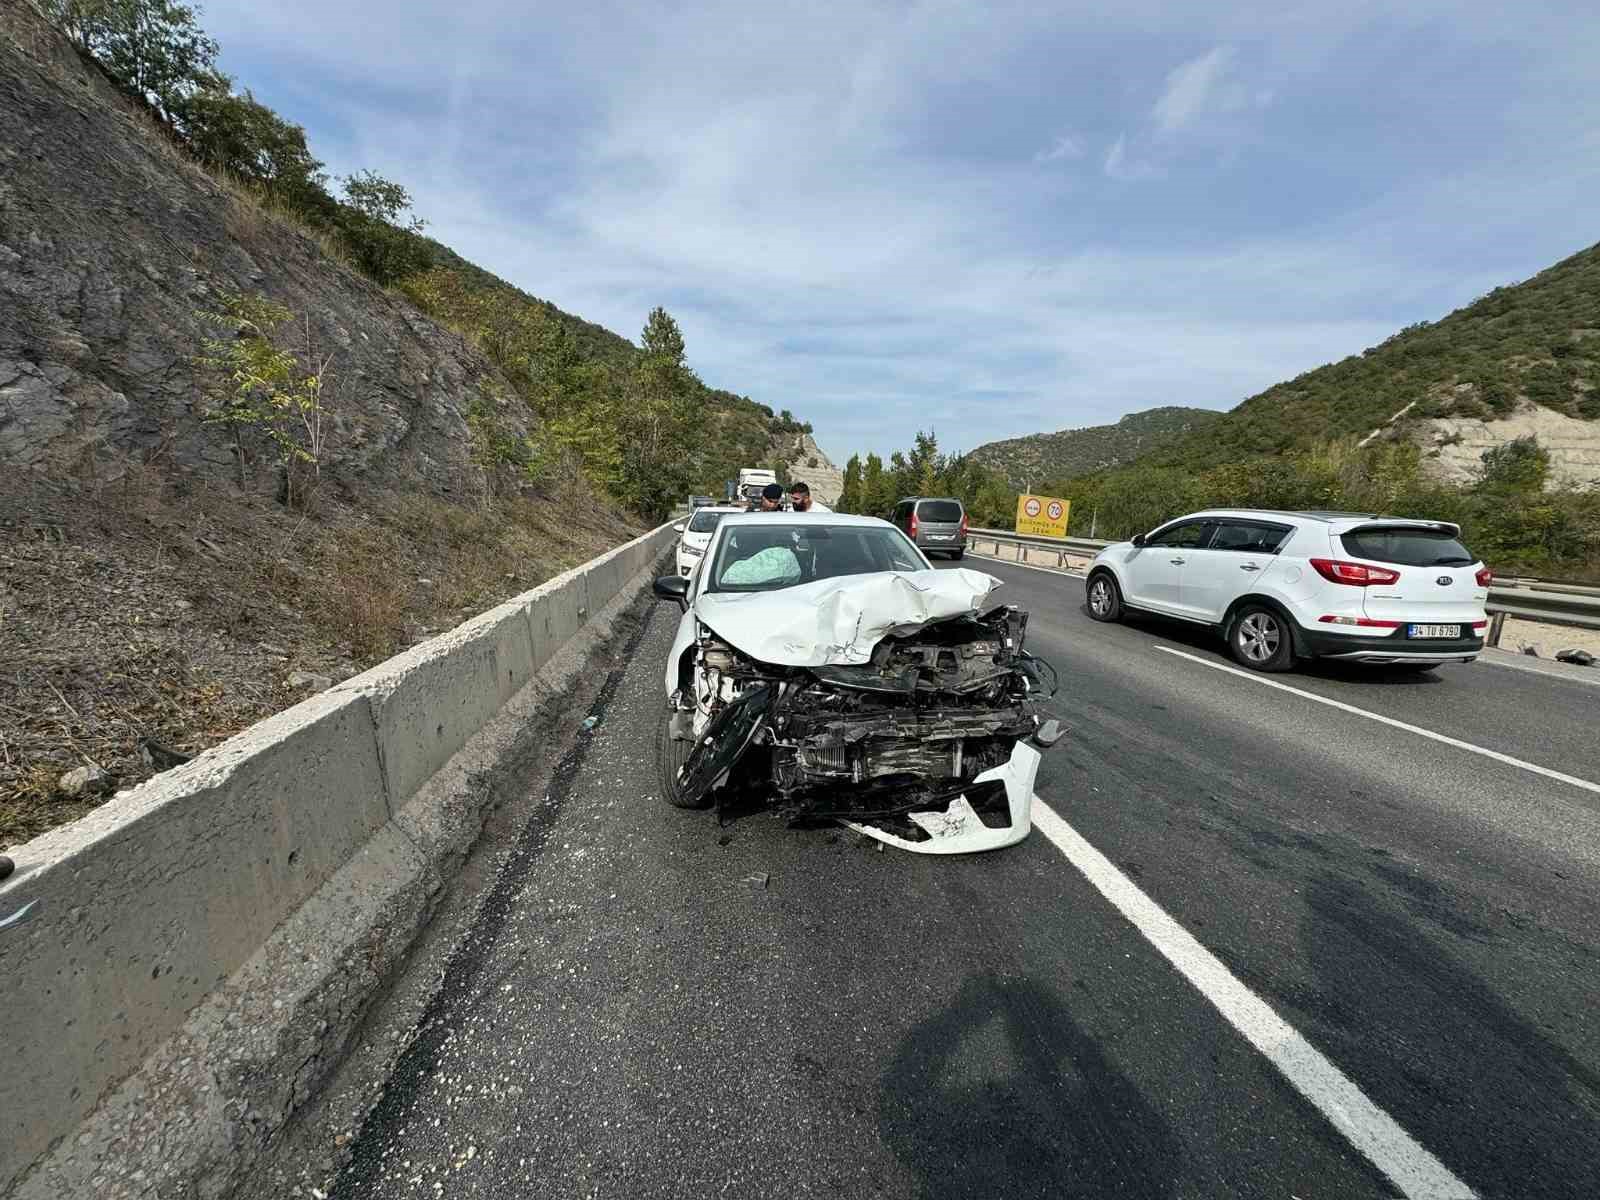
988 219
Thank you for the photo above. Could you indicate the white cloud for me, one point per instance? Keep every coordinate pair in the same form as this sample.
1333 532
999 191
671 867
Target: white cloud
848 218
1064 147
1194 87
1120 167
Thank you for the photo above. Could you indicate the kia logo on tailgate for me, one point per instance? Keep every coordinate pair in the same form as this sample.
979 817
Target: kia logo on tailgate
1444 581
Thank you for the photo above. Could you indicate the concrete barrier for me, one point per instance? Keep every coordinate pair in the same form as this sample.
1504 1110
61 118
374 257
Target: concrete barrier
198 949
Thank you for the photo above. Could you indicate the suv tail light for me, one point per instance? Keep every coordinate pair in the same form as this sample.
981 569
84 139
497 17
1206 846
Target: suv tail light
963 524
1484 577
913 524
1355 574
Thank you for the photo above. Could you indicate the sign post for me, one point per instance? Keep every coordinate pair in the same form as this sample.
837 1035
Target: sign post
1043 516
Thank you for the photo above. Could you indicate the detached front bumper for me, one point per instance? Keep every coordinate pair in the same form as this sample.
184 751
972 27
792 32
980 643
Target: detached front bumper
957 829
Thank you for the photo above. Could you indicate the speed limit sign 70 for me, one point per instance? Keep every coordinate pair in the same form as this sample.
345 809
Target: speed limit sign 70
1043 516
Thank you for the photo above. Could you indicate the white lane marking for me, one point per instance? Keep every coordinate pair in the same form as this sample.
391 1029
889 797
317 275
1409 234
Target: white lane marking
1535 768
1417 1173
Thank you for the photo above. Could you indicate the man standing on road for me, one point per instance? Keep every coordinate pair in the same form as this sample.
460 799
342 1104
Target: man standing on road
800 498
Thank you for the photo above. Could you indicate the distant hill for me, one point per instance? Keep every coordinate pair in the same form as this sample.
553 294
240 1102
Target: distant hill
1533 343
1069 452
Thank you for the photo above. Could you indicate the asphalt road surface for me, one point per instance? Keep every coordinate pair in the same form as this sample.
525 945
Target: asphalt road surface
1324 955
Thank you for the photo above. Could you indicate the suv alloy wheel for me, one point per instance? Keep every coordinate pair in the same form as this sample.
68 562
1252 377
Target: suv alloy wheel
1105 599
1260 639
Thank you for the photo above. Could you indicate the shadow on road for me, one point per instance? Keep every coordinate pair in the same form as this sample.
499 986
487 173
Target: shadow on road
1001 1094
1201 640
1503 1105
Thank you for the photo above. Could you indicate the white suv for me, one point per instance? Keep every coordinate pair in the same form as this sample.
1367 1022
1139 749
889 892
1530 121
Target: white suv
1286 585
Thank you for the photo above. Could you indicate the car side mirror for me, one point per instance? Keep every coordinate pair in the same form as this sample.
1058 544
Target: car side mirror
1138 540
673 587
679 528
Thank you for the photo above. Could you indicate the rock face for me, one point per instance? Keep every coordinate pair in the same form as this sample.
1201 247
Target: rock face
111 241
1453 447
825 480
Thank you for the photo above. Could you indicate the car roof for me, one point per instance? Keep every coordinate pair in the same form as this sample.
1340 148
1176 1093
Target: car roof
1328 517
744 517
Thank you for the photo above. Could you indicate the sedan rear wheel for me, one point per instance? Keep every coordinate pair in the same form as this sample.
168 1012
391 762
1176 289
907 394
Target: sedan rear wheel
1259 639
1105 598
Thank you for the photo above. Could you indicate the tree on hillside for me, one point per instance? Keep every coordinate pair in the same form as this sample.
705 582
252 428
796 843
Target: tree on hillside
659 420
1519 467
850 497
237 135
662 340
385 236
875 489
921 470
154 48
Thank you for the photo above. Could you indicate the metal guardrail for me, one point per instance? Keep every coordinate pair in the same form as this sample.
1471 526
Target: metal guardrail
1576 605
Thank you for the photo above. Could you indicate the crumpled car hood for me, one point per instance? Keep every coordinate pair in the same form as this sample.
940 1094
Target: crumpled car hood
839 621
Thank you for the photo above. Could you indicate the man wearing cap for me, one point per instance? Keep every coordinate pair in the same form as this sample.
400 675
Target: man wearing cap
800 498
771 499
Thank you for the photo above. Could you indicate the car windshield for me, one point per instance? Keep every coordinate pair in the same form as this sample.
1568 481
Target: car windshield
770 556
1407 547
704 521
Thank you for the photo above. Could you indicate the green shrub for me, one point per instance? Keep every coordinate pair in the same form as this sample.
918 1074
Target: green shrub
260 386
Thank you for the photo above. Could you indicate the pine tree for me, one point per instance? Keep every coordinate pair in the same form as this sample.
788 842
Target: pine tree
850 497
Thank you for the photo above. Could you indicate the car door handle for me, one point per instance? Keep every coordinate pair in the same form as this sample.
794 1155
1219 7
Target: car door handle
1248 567
1177 562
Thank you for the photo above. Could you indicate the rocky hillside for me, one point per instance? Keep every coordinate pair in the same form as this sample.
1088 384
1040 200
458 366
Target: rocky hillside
173 567
111 242
1070 452
806 461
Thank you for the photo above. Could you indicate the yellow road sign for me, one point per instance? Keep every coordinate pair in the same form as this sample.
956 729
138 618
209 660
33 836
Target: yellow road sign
1043 516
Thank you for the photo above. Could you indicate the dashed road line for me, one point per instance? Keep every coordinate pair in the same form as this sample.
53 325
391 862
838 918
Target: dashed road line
1412 1169
1522 764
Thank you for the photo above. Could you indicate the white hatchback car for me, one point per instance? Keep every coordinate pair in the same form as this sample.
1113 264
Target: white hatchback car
1281 586
695 534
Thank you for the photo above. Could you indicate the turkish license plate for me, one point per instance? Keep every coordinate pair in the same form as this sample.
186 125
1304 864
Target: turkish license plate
1433 631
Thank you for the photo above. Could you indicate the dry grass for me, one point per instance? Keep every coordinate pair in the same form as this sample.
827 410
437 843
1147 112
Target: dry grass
142 605
359 596
256 216
31 805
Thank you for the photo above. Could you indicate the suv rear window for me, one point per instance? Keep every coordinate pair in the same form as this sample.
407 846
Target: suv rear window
939 510
1407 547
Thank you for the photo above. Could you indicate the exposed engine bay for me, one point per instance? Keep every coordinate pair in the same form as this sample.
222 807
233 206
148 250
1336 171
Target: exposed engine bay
930 745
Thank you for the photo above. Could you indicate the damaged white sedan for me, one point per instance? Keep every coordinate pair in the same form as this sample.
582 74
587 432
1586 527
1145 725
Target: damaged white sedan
823 663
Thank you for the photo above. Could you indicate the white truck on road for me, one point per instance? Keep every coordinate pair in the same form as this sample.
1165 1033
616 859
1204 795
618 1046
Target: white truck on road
752 480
